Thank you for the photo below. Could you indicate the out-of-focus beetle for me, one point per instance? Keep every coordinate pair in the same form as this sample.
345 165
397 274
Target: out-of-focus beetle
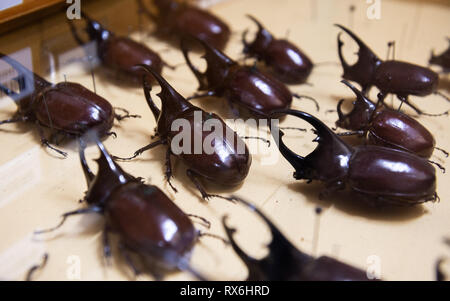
246 86
66 108
396 77
184 20
283 59
286 263
226 163
377 174
147 222
385 127
442 59
120 54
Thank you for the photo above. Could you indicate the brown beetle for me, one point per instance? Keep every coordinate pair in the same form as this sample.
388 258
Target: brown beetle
385 127
283 59
246 86
442 59
377 174
120 54
66 108
184 20
229 161
286 263
147 222
396 77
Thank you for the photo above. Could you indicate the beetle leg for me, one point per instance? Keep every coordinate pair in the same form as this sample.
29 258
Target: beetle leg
92 209
169 169
203 234
307 97
106 246
127 114
128 260
141 150
45 142
207 223
416 109
13 120
36 267
75 33
192 175
353 133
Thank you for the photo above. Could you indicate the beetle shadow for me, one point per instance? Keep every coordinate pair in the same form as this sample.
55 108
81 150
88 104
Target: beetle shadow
348 203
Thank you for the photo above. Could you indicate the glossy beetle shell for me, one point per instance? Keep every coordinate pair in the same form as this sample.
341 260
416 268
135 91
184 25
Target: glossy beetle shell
149 223
381 175
184 20
256 91
230 161
397 130
405 79
72 109
117 53
284 60
391 173
124 54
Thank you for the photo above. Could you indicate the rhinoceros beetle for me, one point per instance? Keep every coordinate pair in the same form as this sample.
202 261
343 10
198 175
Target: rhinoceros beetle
385 127
396 77
118 53
442 59
184 20
229 161
66 108
246 86
286 263
146 221
377 174
283 59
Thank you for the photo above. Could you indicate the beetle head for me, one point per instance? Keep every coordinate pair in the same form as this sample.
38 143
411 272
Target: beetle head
95 30
109 176
362 71
329 161
261 41
172 103
360 116
30 84
284 261
218 65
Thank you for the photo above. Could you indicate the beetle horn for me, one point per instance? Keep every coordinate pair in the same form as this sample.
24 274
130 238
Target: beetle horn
88 174
114 172
201 77
28 80
362 71
359 95
283 260
339 110
169 96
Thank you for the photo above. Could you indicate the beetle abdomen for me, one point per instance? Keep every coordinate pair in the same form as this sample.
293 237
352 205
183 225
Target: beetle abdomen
403 78
398 130
219 156
191 21
150 223
258 91
124 54
288 63
385 172
71 108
